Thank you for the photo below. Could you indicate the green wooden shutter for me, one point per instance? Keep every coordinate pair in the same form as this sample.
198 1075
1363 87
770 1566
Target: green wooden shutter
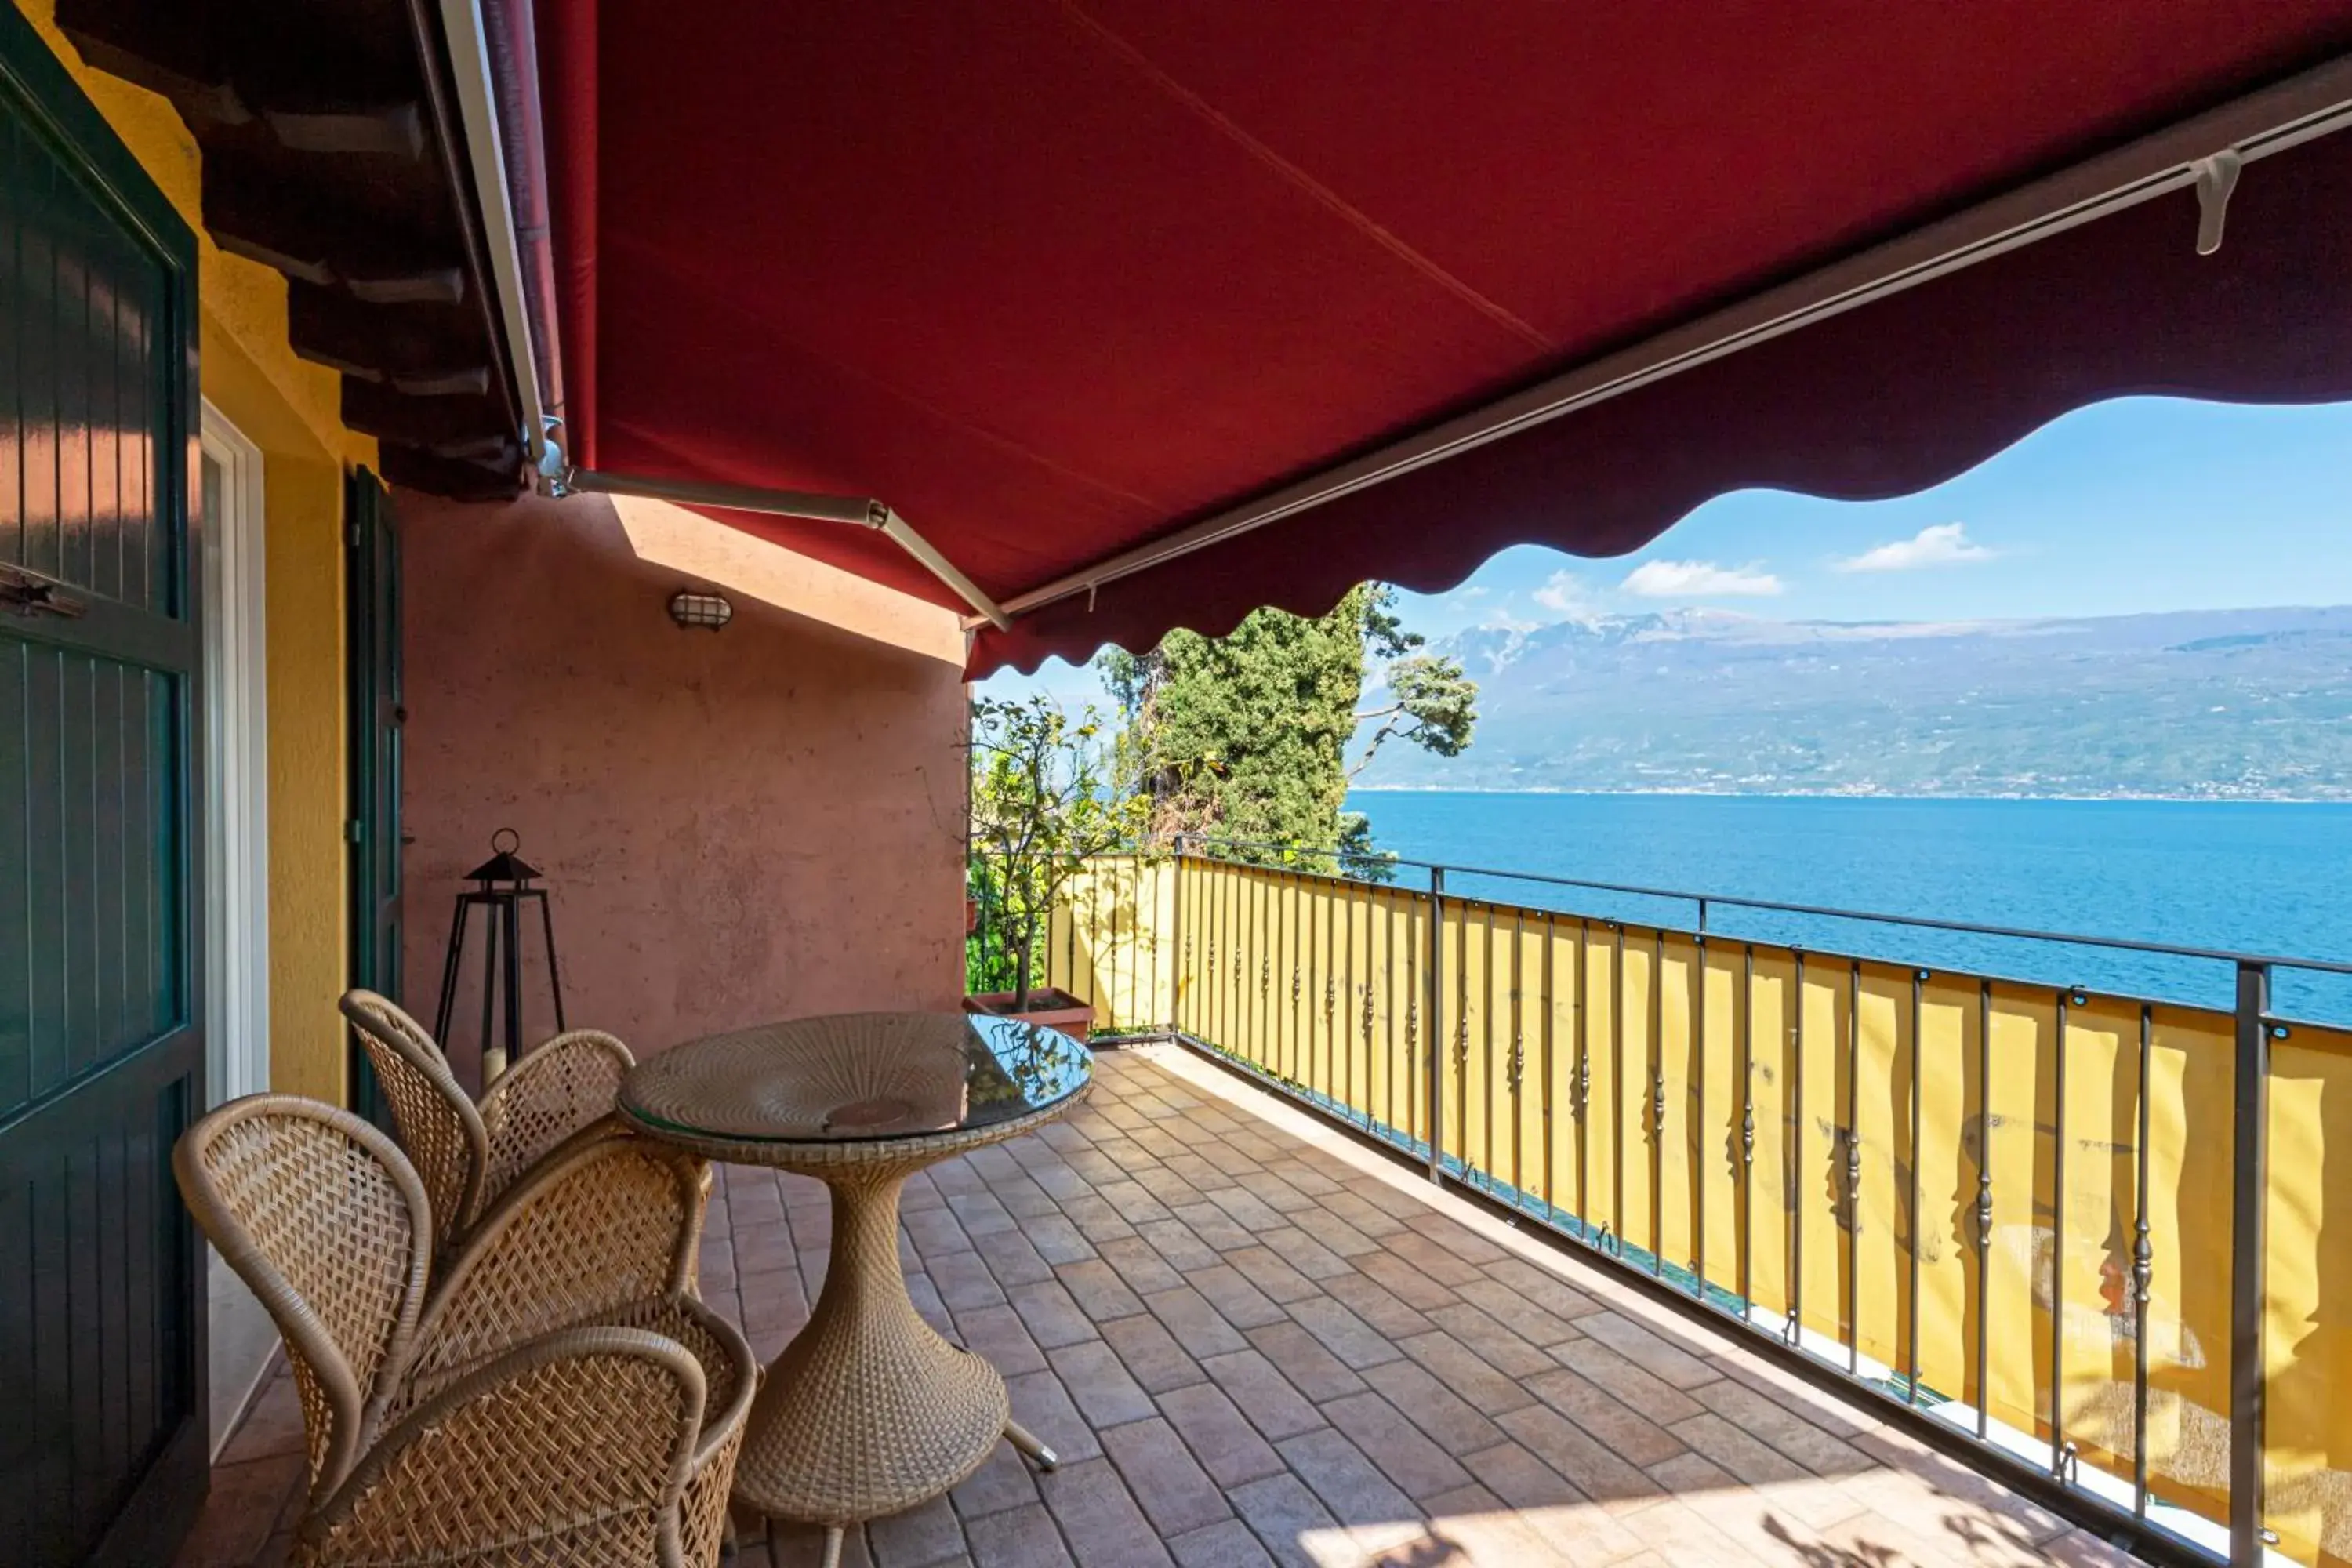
372 587
102 1445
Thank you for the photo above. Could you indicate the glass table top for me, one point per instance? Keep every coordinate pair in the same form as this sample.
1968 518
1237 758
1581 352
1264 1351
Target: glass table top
855 1077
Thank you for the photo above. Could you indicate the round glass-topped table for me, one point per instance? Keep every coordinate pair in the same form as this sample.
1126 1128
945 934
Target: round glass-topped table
867 1412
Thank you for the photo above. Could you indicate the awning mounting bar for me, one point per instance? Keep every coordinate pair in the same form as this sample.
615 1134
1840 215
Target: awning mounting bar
470 62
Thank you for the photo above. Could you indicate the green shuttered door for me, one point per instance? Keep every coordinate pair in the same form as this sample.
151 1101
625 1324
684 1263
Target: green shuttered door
101 1052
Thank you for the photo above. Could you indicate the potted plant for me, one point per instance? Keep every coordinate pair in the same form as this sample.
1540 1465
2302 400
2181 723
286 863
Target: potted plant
1043 801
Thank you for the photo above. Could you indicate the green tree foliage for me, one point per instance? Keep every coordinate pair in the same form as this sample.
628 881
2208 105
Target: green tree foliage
1043 799
1249 737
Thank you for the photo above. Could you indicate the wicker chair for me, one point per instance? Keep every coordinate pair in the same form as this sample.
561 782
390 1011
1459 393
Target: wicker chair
606 1230
603 1419
408 1382
469 1154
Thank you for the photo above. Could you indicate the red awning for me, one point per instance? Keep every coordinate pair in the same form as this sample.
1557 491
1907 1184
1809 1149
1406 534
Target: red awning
1054 279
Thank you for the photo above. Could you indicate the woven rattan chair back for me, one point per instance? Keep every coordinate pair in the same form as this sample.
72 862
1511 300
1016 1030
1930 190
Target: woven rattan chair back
573 1448
439 1127
320 1215
562 1086
607 1222
730 1378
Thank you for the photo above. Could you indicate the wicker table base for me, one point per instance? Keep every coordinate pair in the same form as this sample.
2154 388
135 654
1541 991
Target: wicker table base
868 1412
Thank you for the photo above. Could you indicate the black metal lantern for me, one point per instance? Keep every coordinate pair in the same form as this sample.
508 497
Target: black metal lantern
501 885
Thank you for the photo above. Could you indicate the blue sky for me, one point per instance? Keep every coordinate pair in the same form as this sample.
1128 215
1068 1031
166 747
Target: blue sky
2139 504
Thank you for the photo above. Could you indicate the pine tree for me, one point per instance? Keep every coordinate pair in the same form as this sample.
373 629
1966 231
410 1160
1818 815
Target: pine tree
1246 738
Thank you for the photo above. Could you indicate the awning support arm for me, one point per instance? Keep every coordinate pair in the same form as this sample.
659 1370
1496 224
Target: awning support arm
470 55
860 510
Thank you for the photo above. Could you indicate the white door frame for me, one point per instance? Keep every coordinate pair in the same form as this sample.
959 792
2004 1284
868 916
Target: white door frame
237 765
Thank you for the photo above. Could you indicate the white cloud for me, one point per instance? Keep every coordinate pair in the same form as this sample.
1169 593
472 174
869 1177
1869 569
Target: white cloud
1463 595
1701 580
1565 593
1942 545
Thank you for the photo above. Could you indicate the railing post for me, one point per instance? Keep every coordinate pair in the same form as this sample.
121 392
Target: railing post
1436 1054
1178 953
2249 1243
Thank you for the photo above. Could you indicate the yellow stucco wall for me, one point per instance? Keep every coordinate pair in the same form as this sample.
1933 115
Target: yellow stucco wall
289 408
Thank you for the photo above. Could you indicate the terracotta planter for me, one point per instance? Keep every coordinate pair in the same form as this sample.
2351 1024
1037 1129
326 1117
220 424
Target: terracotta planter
1048 1007
970 916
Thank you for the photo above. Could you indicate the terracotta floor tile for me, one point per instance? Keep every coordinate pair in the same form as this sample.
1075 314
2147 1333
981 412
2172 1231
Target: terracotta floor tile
1222 1439
1100 1519
1140 1264
1407 1282
1469 1376
241 1512
998 1334
1024 1537
918 1538
1495 1343
1403 1452
1196 1325
1051 1316
1012 1259
1285 1515
1099 1385
1227 1545
1003 1480
1389 1316
1154 1357
1098 1289
1175 1493
1041 1404
1450 1421
1375 1511
1058 1241
1354 1342
1520 1313
1481 1532
1624 1431
1314 1258
1302 1359
1236 1300
1602 1366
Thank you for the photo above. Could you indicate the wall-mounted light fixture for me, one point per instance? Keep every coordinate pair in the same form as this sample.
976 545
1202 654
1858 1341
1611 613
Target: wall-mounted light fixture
708 611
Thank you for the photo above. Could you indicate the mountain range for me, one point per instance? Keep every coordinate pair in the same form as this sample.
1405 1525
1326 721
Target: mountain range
2201 704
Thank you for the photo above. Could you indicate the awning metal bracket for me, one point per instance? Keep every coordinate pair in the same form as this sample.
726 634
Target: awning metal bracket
2217 177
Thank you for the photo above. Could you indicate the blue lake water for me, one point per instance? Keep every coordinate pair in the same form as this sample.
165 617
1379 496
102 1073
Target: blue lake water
2267 879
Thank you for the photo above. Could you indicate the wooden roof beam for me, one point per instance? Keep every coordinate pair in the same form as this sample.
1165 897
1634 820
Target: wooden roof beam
391 342
302 228
398 130
458 479
381 411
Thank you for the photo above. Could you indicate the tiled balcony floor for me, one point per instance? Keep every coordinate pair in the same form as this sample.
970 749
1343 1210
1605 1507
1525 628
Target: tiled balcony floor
1253 1340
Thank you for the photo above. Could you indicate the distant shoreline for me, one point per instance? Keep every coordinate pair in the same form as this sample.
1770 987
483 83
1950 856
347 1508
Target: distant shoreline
2343 800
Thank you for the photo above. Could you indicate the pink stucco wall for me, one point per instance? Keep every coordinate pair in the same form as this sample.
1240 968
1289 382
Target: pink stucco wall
753 824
